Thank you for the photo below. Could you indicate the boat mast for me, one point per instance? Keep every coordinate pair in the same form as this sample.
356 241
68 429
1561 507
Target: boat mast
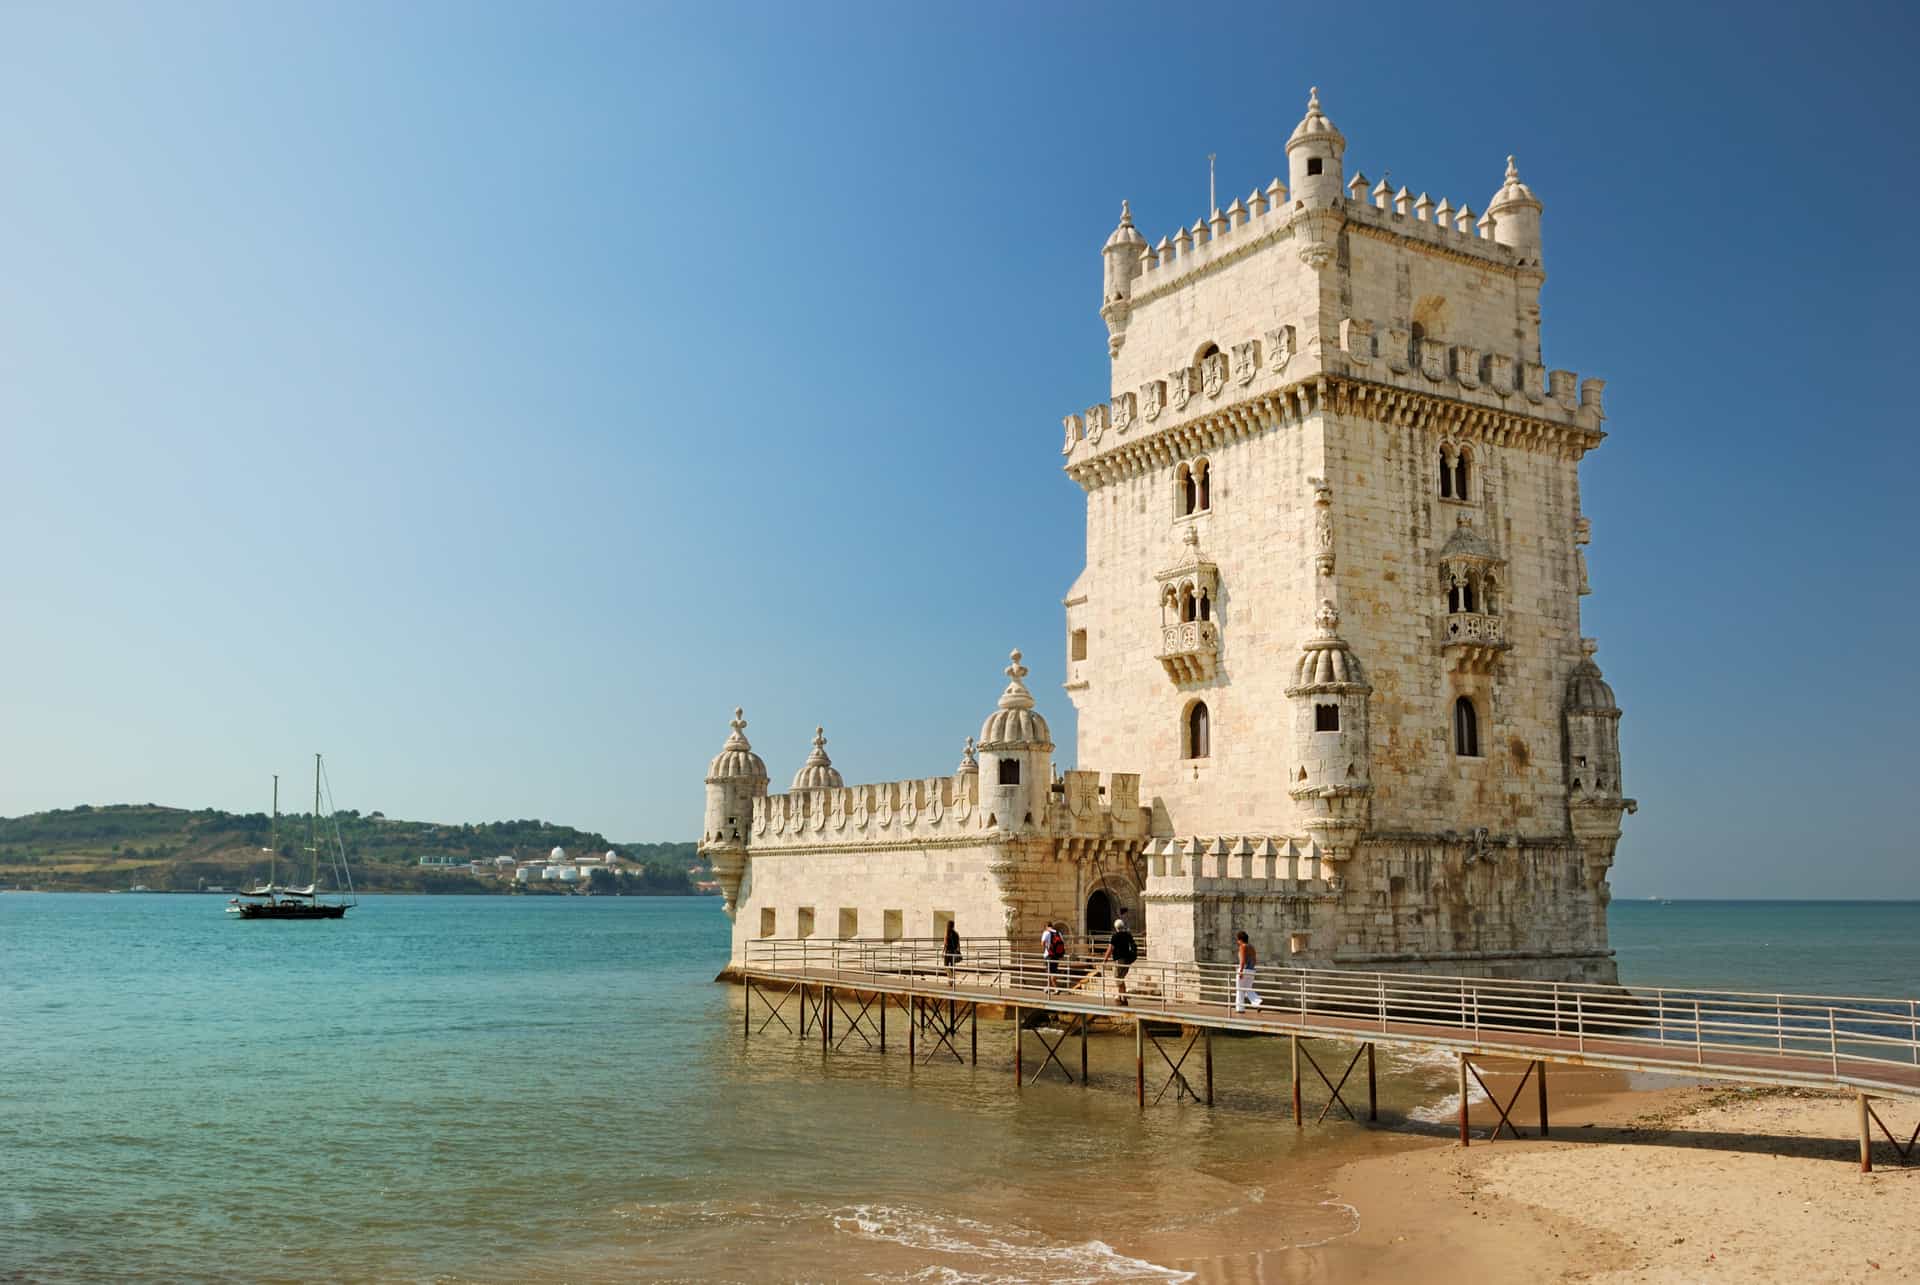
273 836
313 828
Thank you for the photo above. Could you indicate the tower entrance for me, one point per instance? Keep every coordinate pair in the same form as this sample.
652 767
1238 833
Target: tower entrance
1099 913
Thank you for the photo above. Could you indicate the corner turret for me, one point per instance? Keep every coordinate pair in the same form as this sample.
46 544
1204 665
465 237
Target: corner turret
1121 258
1332 773
1515 212
735 778
1314 173
818 772
1016 750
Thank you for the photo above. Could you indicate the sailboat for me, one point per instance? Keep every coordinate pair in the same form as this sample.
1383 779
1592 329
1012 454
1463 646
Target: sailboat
274 901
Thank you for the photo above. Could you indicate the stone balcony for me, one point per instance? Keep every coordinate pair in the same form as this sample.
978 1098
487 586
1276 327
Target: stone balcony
1190 650
1472 640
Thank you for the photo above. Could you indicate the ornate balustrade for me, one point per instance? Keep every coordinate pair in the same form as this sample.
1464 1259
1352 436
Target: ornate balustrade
1190 650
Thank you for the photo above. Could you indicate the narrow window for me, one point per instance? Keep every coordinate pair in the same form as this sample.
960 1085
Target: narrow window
1446 476
1009 771
1205 474
1186 604
1313 165
941 918
805 918
1460 476
1326 718
1453 599
849 923
1199 732
1466 596
1189 493
766 921
891 927
1079 646
1206 606
1466 729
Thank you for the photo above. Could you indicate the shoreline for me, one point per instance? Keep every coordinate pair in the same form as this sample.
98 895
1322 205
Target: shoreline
1665 1181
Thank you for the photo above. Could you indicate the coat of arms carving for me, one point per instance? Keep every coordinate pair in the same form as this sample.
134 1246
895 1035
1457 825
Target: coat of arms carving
1533 381
1122 411
1213 373
1153 397
1180 387
1433 359
1397 348
1246 361
1500 374
1072 424
1279 348
1096 421
1466 366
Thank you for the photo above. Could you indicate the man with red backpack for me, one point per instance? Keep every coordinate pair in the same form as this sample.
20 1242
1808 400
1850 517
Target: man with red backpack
1053 946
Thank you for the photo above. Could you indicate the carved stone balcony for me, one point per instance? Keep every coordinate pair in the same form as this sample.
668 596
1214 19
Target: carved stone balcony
1472 640
1190 650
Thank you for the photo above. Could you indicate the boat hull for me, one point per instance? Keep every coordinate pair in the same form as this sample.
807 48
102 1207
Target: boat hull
285 910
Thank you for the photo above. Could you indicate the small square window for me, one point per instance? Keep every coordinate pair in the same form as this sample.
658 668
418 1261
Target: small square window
766 921
1326 718
1009 771
804 922
849 923
891 926
1079 646
1313 165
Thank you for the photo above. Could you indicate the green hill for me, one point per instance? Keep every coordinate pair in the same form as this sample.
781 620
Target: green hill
97 848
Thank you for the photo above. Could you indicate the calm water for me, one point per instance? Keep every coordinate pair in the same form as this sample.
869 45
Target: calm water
489 1089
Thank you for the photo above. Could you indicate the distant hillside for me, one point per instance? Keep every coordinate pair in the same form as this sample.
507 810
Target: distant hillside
89 848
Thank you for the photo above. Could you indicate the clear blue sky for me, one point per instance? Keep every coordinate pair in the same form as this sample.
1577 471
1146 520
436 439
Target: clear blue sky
493 396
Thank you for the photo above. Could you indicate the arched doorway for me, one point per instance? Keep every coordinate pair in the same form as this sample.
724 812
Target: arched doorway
1099 913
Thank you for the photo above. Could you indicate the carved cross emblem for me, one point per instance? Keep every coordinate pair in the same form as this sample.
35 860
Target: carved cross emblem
1180 385
1246 362
1213 373
1153 396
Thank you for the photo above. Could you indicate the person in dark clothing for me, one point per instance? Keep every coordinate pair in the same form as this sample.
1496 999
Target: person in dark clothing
1122 950
950 949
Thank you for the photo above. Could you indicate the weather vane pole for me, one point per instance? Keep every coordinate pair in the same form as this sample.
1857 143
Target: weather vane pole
1213 202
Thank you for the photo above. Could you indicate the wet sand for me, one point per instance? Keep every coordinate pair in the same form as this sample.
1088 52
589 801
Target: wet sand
1659 1182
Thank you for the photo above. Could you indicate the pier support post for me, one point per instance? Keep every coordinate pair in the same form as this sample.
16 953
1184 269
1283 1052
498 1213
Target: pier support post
1541 1069
1294 1041
883 1022
1373 1097
1084 1019
913 1029
1463 1099
973 1031
746 1010
1207 1036
1140 1063
1018 1077
826 1018
1866 1139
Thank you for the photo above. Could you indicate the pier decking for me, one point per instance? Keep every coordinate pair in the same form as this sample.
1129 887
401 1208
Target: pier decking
1870 1046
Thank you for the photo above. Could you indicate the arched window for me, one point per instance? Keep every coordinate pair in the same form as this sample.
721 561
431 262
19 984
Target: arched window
1187 490
1460 472
1446 474
1199 731
1466 729
1204 473
1186 603
1206 606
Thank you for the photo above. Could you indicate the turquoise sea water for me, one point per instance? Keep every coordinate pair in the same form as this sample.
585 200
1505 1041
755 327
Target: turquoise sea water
444 1088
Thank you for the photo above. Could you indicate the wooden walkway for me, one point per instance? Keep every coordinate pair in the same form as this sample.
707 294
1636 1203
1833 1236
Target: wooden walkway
1870 1047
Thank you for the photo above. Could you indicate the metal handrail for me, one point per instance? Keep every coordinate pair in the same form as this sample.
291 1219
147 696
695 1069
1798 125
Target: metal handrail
1849 1037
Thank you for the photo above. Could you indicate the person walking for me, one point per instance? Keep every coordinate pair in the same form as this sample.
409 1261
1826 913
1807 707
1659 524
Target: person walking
1053 946
950 951
1246 959
1122 950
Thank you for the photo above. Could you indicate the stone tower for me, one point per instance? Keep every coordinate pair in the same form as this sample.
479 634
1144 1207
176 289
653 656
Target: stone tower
1331 604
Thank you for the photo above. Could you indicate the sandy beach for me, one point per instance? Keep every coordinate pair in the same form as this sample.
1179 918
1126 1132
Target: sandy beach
1684 1183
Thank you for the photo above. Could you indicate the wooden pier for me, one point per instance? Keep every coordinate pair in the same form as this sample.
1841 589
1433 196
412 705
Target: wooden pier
846 990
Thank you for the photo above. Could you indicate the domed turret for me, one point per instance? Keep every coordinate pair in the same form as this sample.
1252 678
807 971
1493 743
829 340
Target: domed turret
1015 724
818 772
969 761
1332 772
1314 174
1515 212
1593 732
1015 745
1121 257
735 778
